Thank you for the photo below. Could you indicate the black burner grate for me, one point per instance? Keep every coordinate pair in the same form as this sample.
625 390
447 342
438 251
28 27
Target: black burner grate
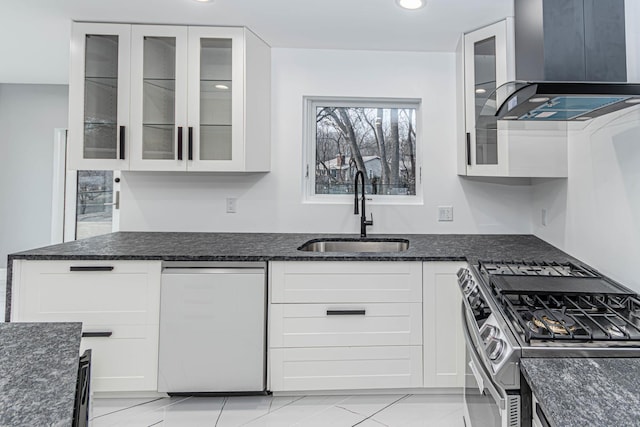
534 268
577 317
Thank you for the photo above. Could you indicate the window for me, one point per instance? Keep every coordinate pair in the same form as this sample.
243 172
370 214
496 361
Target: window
377 136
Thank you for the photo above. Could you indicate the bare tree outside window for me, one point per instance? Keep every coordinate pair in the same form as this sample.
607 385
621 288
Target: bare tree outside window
380 141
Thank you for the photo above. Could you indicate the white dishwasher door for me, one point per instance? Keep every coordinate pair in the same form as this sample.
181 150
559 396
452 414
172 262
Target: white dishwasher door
212 330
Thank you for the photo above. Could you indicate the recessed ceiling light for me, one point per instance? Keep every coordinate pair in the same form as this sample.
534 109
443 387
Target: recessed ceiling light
204 1
539 99
411 4
510 117
223 87
481 90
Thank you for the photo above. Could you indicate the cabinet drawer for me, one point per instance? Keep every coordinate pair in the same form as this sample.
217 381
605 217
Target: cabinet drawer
345 368
334 325
125 361
92 292
346 282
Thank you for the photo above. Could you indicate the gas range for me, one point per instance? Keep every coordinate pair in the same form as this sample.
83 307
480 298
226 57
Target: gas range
517 309
563 305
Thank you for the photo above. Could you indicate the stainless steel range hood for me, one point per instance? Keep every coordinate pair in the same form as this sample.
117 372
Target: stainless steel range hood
559 101
570 63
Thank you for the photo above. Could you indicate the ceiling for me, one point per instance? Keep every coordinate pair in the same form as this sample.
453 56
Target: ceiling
36 32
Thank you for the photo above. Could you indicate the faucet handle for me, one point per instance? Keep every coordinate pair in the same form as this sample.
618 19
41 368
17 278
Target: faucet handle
369 221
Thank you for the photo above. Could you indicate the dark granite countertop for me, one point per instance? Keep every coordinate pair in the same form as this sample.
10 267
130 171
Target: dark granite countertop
283 246
181 246
586 392
38 373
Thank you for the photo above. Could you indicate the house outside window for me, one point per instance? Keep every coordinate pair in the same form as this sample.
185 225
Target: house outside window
378 136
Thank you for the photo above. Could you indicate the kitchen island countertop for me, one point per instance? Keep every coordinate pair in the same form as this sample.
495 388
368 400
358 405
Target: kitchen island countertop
38 373
586 392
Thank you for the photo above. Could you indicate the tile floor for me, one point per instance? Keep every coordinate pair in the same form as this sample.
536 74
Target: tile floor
262 411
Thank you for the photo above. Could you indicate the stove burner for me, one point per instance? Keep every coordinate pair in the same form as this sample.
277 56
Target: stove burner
616 328
554 320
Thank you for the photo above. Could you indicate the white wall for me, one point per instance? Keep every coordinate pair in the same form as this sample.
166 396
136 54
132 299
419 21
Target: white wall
28 116
273 201
595 214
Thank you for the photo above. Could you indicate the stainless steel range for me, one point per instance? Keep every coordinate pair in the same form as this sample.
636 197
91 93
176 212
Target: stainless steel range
515 309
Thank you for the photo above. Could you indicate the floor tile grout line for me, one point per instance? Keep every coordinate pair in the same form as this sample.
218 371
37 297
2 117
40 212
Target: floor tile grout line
283 406
377 412
349 410
224 402
128 407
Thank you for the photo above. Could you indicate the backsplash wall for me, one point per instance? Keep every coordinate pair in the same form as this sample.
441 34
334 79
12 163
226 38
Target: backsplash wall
594 215
272 202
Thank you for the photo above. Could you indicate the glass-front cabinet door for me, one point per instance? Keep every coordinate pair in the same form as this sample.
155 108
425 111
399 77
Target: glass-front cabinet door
216 97
99 96
487 65
158 97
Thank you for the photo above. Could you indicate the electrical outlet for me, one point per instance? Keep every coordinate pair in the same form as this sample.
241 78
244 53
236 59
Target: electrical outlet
231 204
445 213
543 217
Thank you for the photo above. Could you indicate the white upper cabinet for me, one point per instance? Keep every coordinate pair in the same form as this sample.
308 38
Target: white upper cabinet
199 99
99 96
158 97
488 63
502 148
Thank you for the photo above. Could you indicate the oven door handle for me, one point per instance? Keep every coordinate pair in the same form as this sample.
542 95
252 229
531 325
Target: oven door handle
488 383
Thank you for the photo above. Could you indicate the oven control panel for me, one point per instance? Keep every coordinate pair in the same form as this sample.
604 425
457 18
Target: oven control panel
489 337
474 298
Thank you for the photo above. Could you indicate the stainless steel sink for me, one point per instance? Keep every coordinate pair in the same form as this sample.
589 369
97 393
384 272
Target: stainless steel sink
355 245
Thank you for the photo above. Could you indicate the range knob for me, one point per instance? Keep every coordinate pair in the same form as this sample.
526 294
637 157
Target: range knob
462 272
469 287
488 333
495 349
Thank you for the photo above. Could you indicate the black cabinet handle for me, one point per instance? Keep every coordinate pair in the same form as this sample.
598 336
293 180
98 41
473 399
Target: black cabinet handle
346 312
100 334
190 142
122 142
468 149
179 142
91 268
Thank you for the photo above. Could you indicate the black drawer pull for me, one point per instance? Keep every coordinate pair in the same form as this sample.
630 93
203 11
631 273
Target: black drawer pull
92 268
346 312
105 334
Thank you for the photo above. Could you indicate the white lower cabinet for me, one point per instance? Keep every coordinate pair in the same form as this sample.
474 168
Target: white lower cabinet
364 325
116 301
345 325
345 368
443 340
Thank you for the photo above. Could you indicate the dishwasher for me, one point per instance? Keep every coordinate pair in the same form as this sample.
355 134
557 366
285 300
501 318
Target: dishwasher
212 328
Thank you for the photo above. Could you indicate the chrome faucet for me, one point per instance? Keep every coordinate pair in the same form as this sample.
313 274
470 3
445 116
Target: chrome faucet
363 218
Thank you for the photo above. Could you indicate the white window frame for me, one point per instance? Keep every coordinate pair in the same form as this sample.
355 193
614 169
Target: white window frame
310 103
